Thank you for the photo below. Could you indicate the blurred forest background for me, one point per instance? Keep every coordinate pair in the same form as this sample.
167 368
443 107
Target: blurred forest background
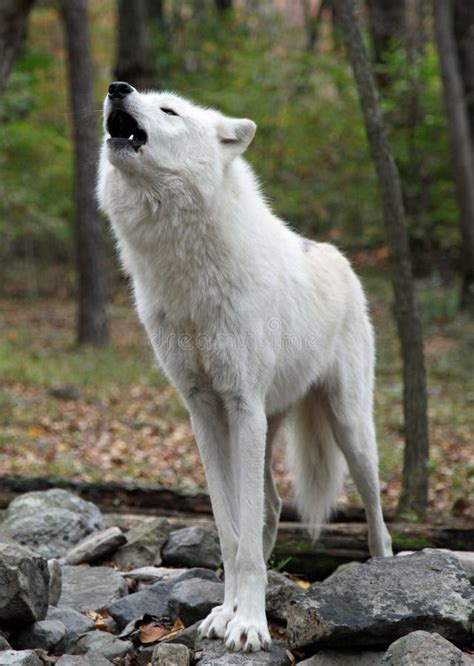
105 413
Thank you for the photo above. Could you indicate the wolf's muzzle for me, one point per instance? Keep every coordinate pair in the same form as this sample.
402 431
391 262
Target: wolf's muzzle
118 89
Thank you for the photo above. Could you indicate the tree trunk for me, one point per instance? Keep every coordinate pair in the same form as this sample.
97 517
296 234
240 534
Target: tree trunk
223 6
313 23
13 22
387 26
386 23
155 11
460 139
464 32
134 58
92 324
414 493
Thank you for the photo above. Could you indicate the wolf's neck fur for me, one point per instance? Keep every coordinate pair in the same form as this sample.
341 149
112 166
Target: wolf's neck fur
186 247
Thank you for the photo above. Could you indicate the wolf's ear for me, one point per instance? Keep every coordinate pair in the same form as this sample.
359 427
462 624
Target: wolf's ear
235 134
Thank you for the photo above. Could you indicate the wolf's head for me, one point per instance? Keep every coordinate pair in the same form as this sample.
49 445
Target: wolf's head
161 136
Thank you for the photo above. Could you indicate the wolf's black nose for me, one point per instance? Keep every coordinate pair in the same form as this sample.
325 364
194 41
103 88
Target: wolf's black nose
119 89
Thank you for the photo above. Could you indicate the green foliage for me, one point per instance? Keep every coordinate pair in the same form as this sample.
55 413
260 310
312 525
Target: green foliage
310 150
35 164
310 145
416 120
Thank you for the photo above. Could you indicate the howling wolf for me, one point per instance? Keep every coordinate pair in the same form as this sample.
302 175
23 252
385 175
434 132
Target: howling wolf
255 326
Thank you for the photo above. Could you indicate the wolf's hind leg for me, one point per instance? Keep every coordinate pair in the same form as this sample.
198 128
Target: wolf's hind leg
272 499
355 434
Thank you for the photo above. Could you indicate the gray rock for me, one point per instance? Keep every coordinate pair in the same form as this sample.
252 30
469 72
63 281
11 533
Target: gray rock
467 563
144 655
193 599
44 635
143 545
154 599
24 587
187 637
5 537
423 649
345 658
167 654
55 581
20 658
4 644
96 546
89 659
103 643
215 653
376 602
193 547
279 594
465 557
51 522
76 625
152 574
91 588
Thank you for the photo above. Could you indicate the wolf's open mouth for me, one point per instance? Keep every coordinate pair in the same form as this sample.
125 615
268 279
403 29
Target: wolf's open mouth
121 125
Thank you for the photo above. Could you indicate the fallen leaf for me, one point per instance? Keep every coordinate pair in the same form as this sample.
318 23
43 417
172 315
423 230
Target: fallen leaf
150 633
101 625
176 629
304 584
291 657
92 615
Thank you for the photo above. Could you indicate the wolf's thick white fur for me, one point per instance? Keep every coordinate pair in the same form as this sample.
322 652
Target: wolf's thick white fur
255 326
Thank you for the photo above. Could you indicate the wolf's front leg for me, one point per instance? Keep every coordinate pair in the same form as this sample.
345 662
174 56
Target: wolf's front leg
248 628
212 435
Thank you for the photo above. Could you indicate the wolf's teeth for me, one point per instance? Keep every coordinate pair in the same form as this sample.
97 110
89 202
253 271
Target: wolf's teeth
130 138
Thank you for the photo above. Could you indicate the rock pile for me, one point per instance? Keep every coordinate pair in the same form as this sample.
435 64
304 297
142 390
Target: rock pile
76 591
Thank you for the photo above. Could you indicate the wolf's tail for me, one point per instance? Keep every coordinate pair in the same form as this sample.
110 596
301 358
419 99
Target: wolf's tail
315 460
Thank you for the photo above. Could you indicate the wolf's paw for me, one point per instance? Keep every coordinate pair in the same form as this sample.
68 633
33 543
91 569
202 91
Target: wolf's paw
214 625
251 636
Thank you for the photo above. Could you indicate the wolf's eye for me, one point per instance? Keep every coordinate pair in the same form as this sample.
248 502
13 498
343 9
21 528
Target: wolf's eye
170 112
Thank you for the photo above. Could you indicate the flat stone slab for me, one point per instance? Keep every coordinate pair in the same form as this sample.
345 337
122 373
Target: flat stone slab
90 588
215 653
379 601
345 658
424 649
89 659
152 574
103 643
96 546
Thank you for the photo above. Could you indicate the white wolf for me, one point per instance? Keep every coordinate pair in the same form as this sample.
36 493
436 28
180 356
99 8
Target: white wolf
254 325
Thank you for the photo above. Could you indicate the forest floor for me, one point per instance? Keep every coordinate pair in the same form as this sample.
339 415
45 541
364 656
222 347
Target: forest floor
108 414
